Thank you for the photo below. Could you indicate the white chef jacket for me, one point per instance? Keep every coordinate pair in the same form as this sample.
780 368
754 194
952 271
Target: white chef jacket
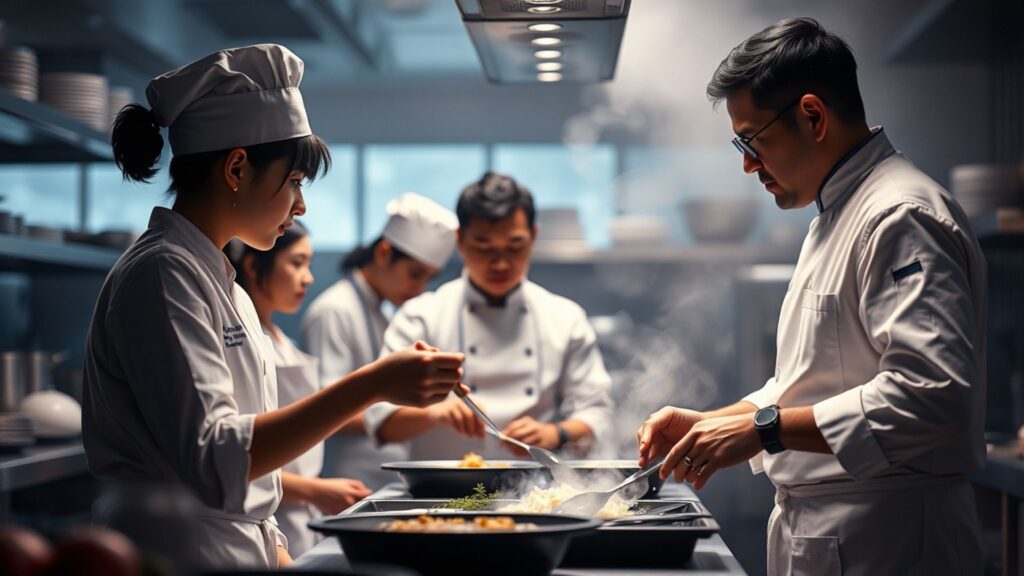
536 355
882 331
297 378
176 368
344 328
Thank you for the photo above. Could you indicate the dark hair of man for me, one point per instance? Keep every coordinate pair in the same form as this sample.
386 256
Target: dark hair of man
363 255
787 60
262 260
494 197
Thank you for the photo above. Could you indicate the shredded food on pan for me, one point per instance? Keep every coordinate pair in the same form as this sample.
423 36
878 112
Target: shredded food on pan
425 523
544 500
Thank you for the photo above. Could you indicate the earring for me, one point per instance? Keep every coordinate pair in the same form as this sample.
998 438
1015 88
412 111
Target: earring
234 202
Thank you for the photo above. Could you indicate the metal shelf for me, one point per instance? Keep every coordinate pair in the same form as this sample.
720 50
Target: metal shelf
20 253
34 133
42 463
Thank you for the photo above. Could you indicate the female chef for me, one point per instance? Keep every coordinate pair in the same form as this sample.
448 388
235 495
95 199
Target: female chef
180 385
276 281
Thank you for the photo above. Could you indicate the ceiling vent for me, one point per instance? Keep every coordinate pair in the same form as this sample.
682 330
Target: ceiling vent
527 41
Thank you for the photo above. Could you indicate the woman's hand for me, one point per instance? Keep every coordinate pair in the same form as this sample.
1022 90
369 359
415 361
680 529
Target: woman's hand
417 376
332 495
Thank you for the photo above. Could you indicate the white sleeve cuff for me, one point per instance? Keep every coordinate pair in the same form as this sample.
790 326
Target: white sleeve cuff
844 425
374 417
229 439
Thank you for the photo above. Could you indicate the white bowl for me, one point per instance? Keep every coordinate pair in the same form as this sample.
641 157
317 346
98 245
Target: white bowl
56 415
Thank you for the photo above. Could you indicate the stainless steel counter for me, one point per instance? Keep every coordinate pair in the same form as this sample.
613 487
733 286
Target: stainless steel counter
711 556
42 463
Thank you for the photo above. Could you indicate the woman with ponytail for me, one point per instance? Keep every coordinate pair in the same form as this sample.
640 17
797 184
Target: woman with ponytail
344 326
180 381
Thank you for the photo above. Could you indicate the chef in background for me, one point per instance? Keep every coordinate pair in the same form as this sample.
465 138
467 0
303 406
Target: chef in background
531 356
344 326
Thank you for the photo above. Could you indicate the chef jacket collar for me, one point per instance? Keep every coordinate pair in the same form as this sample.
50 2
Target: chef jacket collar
474 295
853 168
373 300
181 231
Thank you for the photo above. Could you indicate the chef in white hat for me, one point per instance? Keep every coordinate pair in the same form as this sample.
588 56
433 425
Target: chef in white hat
180 382
344 326
531 356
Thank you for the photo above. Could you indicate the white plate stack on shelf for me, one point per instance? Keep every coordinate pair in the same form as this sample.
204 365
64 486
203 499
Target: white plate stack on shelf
17 431
80 95
984 188
119 97
19 72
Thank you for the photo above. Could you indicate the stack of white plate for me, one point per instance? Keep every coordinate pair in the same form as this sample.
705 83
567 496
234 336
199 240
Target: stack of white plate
16 431
8 224
19 72
982 188
119 97
79 95
638 231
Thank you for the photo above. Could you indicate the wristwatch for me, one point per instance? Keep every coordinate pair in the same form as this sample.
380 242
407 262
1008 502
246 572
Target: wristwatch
766 422
563 435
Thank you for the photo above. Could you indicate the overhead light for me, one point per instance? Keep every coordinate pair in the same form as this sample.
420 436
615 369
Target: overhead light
549 76
547 54
544 1
546 41
544 27
549 66
543 9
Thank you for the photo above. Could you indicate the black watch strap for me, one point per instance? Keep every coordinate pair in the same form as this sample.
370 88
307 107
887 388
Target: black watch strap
767 424
563 435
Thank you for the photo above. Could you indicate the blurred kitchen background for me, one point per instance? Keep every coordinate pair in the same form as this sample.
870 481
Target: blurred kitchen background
646 217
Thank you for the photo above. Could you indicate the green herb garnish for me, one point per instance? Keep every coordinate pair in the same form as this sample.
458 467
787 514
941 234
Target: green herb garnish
478 500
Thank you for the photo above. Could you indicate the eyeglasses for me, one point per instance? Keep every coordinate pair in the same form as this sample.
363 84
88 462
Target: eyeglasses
743 144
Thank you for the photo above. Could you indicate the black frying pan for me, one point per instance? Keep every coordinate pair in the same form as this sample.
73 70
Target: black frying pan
533 552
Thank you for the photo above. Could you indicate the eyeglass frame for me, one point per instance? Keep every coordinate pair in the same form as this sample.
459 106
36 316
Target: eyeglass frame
743 143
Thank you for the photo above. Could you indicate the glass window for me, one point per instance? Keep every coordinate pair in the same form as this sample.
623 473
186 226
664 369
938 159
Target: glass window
44 194
437 171
117 204
564 177
331 203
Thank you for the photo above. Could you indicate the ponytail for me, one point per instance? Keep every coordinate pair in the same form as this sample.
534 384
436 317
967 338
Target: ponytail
137 142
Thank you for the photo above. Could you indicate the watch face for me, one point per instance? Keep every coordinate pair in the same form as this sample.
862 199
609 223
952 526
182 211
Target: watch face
765 416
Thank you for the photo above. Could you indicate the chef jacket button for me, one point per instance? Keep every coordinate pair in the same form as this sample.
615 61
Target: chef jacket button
472 309
523 309
529 391
472 388
472 349
529 352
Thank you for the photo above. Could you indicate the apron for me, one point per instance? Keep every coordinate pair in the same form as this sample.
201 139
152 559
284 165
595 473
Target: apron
295 382
902 525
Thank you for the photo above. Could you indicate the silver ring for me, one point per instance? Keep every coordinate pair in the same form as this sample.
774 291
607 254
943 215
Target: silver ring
688 461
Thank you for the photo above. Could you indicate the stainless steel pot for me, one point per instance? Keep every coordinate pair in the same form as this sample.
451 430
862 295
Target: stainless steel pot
12 380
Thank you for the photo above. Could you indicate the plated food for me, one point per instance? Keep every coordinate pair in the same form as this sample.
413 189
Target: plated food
472 460
424 523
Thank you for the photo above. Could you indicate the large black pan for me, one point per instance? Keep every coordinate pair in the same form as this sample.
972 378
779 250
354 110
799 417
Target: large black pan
533 552
444 478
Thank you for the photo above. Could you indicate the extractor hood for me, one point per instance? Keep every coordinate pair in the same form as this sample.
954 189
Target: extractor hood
526 41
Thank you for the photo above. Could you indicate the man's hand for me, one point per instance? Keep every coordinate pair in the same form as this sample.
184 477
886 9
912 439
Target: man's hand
712 444
332 495
456 415
663 429
532 432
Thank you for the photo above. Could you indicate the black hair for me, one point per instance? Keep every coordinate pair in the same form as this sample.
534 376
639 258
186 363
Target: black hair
137 145
362 255
788 59
262 260
494 197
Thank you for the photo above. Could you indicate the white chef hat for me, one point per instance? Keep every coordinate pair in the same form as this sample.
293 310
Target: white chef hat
231 98
421 228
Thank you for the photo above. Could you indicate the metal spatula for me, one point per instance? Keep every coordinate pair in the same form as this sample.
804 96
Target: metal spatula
589 503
